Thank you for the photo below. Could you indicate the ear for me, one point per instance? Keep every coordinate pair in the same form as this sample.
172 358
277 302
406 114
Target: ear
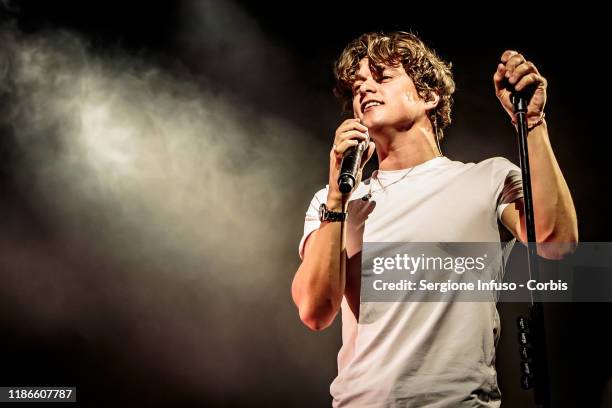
432 101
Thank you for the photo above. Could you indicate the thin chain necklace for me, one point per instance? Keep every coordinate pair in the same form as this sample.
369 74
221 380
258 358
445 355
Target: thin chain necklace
383 188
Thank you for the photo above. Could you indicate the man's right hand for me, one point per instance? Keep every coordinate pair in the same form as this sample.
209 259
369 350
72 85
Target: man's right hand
348 134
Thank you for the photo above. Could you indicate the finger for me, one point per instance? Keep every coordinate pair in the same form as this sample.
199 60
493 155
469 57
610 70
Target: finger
351 134
520 71
498 77
507 55
351 124
344 146
530 80
349 121
512 63
369 154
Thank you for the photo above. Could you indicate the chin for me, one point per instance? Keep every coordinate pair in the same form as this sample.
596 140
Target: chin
371 122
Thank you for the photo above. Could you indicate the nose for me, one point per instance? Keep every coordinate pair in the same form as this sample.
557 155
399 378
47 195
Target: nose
368 85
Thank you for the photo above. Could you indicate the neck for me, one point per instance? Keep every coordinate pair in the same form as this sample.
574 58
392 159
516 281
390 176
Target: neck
403 149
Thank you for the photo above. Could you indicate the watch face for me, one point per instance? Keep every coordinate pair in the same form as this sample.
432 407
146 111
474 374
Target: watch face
321 212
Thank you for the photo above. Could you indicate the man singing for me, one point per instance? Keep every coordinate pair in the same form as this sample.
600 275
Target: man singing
419 354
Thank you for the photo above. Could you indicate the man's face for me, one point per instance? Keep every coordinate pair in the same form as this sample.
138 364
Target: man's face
388 100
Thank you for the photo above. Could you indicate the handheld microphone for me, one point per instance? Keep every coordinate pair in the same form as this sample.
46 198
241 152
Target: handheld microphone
350 166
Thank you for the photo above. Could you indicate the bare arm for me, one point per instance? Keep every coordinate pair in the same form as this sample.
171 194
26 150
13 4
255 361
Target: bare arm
318 285
554 212
320 281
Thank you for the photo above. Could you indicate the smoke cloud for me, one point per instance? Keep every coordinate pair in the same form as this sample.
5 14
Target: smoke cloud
158 213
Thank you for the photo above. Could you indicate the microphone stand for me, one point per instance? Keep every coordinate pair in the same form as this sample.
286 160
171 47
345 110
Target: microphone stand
532 335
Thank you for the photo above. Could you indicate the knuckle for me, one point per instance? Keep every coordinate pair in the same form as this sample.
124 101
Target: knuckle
515 61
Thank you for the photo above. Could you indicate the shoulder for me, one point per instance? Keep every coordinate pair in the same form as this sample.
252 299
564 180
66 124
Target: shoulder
490 164
496 162
494 166
321 194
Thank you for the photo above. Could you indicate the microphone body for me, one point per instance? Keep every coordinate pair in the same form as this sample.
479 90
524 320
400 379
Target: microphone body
350 167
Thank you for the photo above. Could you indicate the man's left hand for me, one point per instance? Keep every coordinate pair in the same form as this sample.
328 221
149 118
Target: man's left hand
521 74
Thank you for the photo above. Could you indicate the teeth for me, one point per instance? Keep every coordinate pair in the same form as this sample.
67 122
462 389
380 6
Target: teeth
371 103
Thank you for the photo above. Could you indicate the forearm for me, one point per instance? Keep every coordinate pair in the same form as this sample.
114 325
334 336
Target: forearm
554 211
318 285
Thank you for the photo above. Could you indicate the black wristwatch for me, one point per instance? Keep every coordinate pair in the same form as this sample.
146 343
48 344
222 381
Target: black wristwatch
333 216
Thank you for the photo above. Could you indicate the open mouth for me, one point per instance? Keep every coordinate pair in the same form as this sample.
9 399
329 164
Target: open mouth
370 105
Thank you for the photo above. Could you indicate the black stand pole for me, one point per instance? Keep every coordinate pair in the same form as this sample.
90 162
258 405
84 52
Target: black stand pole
532 336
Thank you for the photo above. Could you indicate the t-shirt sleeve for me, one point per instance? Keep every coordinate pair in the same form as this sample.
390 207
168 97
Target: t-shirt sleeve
508 183
311 220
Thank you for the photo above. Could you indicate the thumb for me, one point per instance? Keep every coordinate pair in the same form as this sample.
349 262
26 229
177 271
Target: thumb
499 78
368 156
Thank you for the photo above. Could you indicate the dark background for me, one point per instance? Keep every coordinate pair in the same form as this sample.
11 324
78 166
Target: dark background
287 74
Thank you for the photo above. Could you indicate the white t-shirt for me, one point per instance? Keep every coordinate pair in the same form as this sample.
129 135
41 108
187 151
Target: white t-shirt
427 354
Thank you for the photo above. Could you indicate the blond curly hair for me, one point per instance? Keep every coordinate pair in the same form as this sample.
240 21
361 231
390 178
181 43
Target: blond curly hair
426 69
